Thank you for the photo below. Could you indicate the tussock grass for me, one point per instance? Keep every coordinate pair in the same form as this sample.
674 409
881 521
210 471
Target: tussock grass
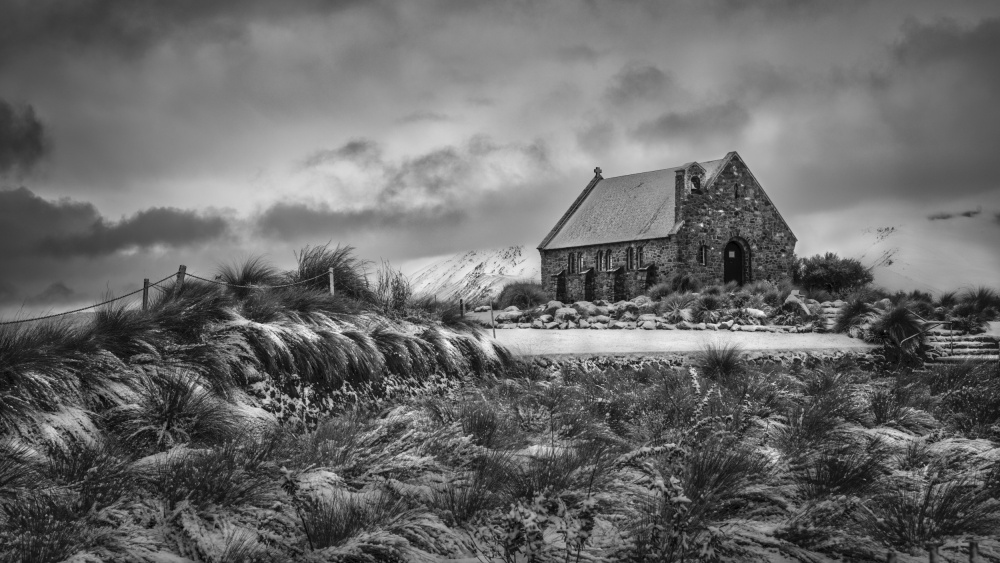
349 271
843 468
721 362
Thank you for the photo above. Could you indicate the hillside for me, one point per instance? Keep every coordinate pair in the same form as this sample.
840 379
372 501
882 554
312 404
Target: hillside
476 275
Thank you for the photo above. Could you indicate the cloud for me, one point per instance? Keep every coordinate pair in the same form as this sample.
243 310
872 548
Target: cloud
596 137
31 225
23 139
130 29
727 119
294 220
357 150
578 53
638 82
56 293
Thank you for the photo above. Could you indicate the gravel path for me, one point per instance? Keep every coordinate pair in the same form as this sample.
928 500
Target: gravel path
534 342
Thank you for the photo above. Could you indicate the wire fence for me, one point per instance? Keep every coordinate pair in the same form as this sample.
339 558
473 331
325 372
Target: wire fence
180 276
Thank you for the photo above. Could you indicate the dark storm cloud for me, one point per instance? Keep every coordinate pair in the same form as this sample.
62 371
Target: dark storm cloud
23 141
54 294
287 221
357 150
948 42
638 82
129 28
31 225
728 119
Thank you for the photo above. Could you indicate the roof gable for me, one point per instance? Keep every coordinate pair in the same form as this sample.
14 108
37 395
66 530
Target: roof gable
623 208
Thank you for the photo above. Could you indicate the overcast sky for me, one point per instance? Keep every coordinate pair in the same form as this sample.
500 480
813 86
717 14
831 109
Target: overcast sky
139 135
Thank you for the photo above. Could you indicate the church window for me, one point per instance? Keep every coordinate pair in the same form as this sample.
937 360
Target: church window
736 191
630 258
607 260
639 259
696 183
599 261
579 261
703 255
571 262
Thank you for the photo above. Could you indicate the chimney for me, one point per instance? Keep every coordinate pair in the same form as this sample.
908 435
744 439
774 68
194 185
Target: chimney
680 193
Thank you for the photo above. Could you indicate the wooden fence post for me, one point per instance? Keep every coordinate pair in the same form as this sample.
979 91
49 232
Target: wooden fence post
932 552
180 275
145 294
974 552
333 291
492 322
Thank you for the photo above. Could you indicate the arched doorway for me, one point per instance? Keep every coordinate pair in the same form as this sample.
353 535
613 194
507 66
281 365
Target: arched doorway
618 285
732 260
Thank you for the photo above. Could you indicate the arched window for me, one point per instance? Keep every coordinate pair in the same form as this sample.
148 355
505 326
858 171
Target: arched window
607 260
640 258
736 191
571 262
630 258
703 255
579 261
696 183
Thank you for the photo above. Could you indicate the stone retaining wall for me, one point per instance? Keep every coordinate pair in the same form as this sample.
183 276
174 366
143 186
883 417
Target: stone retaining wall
864 360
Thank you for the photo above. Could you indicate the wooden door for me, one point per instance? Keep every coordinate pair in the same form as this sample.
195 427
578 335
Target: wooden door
561 286
589 285
732 260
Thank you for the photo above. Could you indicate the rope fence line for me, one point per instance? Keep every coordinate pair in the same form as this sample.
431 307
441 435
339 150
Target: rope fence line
180 275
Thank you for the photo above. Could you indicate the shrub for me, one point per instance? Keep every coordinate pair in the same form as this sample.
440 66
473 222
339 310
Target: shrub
480 488
909 518
682 282
523 295
336 518
947 299
676 307
173 409
232 475
392 291
721 362
843 469
708 308
715 475
349 272
895 325
659 291
832 273
856 313
248 276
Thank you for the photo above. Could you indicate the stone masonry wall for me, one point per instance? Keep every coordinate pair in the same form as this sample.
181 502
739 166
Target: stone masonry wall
734 207
660 252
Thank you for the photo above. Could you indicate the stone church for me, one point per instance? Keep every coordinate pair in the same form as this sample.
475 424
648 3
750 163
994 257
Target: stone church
711 220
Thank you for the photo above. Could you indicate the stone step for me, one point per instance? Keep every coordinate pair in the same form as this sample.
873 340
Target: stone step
962 337
963 344
963 359
970 351
945 332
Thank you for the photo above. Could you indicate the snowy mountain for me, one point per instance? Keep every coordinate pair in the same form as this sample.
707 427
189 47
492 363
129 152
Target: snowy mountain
935 255
476 275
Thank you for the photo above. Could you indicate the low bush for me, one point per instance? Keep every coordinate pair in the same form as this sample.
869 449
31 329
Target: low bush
523 295
682 282
849 468
659 291
831 273
721 362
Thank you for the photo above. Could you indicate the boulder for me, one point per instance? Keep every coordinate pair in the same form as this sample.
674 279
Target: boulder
566 314
507 317
482 309
698 326
684 325
665 326
551 325
629 325
554 305
725 325
615 325
756 313
583 324
749 328
647 317
712 326
511 308
601 319
599 326
569 324
839 303
736 327
586 308
523 325
564 325
538 324
546 318
627 316
647 325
